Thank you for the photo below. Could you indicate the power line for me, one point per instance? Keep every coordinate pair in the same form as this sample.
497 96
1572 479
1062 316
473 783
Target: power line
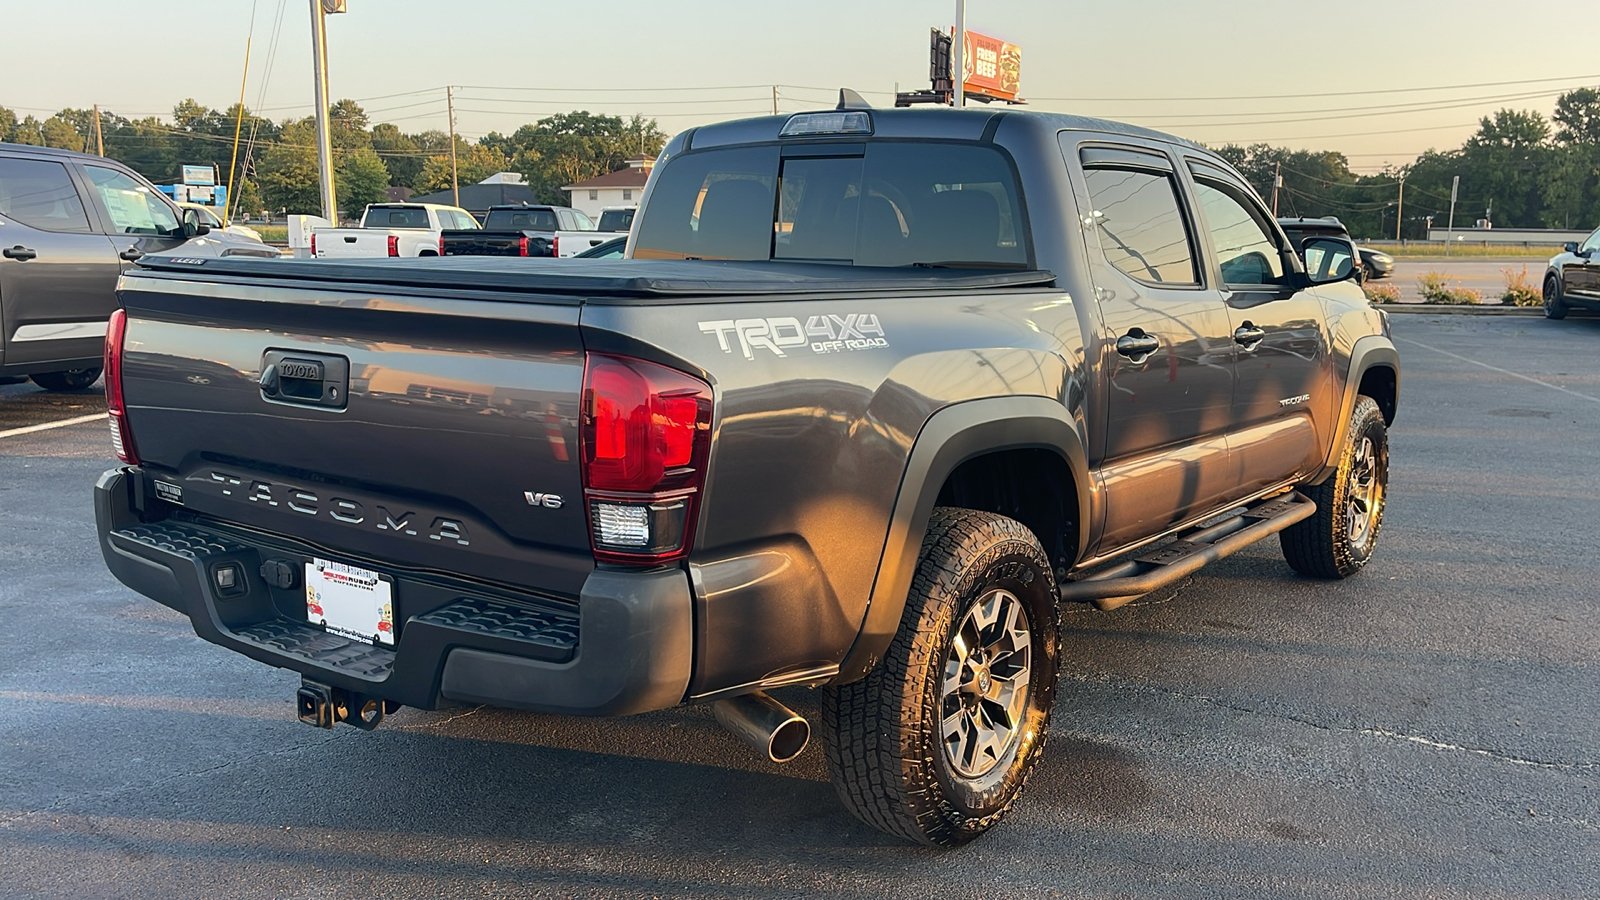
1584 79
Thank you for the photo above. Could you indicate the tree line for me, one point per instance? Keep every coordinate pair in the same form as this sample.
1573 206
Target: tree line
1519 169
276 170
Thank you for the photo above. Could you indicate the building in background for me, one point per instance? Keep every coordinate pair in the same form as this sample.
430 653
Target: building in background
623 187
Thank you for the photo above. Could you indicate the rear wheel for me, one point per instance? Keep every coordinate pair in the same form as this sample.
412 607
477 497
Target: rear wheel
68 380
1338 539
936 743
1554 306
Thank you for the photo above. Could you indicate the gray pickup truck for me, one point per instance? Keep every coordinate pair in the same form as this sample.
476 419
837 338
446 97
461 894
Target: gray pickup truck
873 394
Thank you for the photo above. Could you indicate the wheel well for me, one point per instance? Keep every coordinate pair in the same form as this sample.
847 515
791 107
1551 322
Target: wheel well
1032 485
1379 383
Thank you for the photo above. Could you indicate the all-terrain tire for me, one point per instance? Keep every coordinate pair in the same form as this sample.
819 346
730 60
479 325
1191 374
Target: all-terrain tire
890 755
1338 539
69 380
1554 306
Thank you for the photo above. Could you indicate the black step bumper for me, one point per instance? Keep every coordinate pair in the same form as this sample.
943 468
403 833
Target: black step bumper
625 648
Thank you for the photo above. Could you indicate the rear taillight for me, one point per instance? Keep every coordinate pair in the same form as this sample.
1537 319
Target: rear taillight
522 245
313 243
121 434
555 247
646 437
394 245
441 243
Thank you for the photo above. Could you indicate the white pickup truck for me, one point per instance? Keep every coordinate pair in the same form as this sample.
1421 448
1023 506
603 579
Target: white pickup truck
391 229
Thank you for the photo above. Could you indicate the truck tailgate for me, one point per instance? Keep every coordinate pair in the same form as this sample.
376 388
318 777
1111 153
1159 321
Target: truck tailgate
400 431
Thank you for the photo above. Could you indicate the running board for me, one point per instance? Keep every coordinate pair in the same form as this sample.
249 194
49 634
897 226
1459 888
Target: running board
1168 563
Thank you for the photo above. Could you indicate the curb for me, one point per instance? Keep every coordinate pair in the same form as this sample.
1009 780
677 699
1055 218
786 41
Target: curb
1483 309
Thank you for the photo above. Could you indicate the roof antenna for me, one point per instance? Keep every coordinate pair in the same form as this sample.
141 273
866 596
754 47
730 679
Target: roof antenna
849 99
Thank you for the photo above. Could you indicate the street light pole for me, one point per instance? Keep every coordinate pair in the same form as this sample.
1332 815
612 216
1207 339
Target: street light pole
959 48
319 61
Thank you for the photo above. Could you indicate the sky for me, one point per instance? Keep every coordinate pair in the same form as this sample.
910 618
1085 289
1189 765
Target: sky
1378 81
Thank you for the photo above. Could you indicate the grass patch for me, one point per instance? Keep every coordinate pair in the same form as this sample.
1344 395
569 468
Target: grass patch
273 234
1437 289
1381 293
1519 291
1465 251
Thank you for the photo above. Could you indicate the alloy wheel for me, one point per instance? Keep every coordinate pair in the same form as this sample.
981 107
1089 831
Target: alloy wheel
984 694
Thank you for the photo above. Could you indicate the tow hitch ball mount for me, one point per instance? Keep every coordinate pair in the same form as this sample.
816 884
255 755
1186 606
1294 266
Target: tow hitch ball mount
322 706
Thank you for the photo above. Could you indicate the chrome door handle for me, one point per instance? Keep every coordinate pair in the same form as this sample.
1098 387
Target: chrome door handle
1136 344
1249 335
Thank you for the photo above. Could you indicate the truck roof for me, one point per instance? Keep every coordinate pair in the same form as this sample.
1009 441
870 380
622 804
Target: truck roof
561 280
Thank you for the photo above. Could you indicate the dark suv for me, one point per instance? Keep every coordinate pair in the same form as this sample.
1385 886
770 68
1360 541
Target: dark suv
70 223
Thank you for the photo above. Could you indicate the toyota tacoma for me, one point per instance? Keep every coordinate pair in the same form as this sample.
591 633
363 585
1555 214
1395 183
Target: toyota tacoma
873 393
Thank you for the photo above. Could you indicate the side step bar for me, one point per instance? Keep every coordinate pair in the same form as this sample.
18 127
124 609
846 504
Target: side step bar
1168 563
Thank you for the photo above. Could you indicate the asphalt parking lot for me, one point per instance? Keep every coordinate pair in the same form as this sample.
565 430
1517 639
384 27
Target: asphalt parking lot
1429 728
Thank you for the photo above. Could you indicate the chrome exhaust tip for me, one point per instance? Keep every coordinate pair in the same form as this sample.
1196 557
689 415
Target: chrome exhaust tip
765 724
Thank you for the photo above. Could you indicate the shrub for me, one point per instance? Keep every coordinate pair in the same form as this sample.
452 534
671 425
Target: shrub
1436 288
1382 293
1518 291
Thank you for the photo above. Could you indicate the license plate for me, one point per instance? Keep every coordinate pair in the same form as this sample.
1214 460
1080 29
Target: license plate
350 601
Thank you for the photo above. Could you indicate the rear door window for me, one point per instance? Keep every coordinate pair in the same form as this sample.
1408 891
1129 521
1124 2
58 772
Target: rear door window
134 208
890 204
40 194
1141 226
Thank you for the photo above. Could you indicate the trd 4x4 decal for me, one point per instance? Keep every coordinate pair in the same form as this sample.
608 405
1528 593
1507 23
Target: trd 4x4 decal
822 334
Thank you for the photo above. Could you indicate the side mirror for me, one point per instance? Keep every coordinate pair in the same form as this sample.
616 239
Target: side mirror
1570 246
192 226
1328 260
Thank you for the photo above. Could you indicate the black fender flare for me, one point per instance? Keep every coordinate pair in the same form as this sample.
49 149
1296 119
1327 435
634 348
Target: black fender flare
949 438
1370 352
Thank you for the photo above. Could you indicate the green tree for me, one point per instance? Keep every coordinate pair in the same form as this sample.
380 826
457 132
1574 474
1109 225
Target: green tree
474 163
571 147
400 152
1578 117
362 179
288 171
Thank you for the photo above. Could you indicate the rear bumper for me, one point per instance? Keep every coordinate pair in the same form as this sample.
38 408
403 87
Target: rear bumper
626 648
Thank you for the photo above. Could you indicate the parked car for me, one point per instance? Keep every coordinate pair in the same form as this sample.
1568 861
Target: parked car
865 439
525 230
1572 278
612 249
392 229
617 218
209 218
70 224
1300 227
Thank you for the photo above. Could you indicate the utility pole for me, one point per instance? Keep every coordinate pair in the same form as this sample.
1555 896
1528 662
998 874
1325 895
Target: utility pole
1277 182
1450 231
99 139
959 50
1400 213
319 61
774 99
450 106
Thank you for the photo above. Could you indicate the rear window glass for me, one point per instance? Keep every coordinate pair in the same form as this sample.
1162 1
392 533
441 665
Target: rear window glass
1141 228
522 219
396 217
616 220
897 204
41 194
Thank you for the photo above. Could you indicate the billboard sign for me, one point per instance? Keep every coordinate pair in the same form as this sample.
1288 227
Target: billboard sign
992 66
199 175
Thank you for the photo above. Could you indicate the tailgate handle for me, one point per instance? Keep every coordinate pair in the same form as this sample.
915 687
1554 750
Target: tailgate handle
307 379
349 239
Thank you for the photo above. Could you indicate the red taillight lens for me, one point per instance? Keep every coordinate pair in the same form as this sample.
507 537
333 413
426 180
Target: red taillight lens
646 437
441 243
555 247
121 434
313 243
522 245
394 244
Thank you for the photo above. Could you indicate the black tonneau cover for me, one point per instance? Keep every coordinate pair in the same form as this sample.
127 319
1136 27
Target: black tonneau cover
597 278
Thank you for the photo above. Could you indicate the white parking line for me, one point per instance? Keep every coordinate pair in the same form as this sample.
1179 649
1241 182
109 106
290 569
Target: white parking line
49 425
1554 387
